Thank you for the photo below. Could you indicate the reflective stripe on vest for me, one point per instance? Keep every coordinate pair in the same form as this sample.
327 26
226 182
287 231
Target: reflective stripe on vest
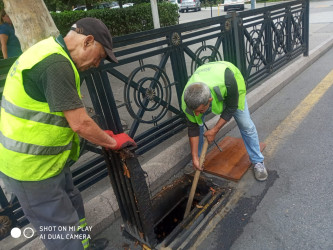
35 143
26 148
33 115
83 225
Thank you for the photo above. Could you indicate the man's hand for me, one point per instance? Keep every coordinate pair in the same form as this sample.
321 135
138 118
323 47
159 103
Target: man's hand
210 135
196 163
122 140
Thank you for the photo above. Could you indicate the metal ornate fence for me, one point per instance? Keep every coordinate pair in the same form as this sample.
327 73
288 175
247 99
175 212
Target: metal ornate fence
141 94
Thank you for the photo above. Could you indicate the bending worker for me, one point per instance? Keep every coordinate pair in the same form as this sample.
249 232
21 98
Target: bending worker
42 117
221 87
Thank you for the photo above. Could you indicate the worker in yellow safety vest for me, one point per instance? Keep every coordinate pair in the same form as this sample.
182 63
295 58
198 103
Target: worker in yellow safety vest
220 87
42 117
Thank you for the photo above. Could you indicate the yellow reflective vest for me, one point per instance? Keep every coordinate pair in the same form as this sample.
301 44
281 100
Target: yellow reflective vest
212 74
34 142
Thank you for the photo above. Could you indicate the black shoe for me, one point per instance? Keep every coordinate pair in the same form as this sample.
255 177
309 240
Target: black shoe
98 244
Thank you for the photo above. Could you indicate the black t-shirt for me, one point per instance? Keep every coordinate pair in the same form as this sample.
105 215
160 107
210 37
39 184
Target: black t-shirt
52 80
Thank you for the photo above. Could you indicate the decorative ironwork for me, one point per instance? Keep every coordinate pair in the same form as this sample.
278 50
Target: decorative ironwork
5 226
175 39
279 38
240 22
227 25
255 48
296 29
149 93
205 54
268 15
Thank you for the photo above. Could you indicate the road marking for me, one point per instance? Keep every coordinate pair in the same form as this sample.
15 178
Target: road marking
295 118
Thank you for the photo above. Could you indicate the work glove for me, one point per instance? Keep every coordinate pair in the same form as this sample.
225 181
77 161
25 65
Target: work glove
122 140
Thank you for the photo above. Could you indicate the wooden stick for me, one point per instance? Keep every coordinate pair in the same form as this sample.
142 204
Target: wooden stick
196 178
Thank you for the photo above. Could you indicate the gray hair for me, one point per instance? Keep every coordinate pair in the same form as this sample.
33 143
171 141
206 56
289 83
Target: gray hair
195 94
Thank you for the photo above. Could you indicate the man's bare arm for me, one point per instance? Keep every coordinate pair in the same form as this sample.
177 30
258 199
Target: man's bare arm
85 127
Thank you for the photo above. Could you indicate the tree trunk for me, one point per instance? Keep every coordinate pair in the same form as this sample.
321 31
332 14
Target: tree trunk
32 21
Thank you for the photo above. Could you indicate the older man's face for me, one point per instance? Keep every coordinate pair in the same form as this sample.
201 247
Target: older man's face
90 55
201 109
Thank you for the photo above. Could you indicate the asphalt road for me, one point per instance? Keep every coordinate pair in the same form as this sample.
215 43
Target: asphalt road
320 11
207 12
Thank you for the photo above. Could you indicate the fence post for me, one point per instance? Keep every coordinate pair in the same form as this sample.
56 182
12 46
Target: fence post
268 41
178 63
288 32
305 21
228 41
237 26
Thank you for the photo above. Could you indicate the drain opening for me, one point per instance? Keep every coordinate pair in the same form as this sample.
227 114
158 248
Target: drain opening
172 220
170 204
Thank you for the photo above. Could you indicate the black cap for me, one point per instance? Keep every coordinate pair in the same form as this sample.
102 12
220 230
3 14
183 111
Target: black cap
96 28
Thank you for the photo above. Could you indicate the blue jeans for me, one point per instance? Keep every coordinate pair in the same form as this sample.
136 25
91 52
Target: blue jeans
249 134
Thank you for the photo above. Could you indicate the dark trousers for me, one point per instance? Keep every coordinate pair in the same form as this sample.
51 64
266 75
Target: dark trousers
53 206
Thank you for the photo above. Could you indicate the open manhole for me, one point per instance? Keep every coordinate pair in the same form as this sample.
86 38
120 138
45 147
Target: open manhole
170 228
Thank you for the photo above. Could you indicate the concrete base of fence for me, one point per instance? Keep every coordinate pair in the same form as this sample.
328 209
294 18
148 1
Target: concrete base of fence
102 209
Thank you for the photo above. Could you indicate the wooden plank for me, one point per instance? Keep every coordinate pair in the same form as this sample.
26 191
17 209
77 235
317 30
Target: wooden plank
232 162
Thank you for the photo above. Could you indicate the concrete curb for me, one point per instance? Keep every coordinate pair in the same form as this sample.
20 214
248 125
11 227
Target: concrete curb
103 209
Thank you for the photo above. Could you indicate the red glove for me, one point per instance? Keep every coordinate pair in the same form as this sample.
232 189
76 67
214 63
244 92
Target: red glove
122 140
109 132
